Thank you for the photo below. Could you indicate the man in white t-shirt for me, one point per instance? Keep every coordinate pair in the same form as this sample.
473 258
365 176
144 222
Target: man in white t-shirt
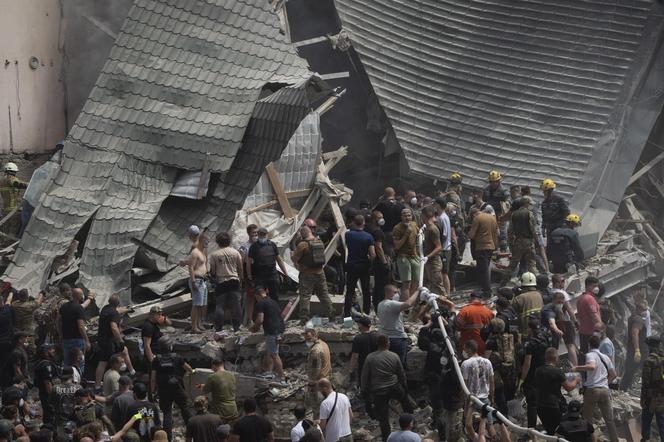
303 424
335 414
600 372
478 375
569 319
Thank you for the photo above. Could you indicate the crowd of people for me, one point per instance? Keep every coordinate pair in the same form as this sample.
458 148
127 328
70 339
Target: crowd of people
507 339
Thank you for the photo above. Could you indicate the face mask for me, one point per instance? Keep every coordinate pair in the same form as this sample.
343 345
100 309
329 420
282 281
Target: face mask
253 239
309 344
596 291
413 201
396 297
381 222
123 367
465 355
21 403
559 307
262 240
454 212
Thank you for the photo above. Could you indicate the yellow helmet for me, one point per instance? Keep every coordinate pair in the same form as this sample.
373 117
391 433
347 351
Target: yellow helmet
494 175
548 184
455 178
573 218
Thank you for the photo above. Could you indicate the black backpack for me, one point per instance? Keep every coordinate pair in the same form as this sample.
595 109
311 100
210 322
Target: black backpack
168 368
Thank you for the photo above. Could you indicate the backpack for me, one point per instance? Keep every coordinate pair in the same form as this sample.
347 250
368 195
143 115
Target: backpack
657 372
315 257
506 350
85 414
167 369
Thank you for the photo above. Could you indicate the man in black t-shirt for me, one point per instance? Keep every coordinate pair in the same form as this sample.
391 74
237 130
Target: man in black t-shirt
390 208
535 348
45 371
263 255
203 426
363 343
62 399
148 410
268 315
16 365
637 350
548 381
251 427
72 324
167 376
150 332
6 329
109 337
380 265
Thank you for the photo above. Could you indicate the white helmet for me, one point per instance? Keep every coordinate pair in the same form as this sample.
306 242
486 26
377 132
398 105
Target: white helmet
11 167
528 279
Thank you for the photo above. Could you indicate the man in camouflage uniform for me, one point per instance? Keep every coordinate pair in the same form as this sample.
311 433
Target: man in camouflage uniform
312 276
10 192
522 234
652 389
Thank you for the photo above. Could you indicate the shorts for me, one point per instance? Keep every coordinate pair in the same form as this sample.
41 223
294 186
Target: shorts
569 334
489 417
272 344
106 350
446 257
409 268
199 292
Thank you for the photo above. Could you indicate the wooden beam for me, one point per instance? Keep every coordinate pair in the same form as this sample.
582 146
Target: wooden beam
332 158
645 168
278 188
289 195
332 246
8 216
205 172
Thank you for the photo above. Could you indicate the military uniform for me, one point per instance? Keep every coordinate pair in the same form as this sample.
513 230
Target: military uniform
312 280
522 234
564 248
10 191
554 212
652 393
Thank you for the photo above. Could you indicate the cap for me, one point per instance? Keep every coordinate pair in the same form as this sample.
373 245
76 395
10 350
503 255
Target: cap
223 431
574 408
21 334
194 230
46 347
502 302
475 295
155 309
67 371
363 320
262 230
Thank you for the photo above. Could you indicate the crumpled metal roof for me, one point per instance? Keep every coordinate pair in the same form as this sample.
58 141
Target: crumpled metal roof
186 78
531 88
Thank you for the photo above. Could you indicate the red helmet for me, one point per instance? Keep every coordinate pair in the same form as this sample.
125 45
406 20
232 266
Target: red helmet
310 223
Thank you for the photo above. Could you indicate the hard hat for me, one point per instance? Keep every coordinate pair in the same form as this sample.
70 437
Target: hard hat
456 178
573 218
548 184
310 223
528 280
11 167
494 175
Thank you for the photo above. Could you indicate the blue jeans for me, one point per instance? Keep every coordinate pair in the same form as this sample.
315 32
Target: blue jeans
646 421
70 344
400 347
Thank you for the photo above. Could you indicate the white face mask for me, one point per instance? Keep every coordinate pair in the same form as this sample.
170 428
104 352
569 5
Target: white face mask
123 367
396 297
413 201
596 291
381 222
309 344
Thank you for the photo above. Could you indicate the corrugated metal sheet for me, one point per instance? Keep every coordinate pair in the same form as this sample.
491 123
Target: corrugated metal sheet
296 166
184 80
532 88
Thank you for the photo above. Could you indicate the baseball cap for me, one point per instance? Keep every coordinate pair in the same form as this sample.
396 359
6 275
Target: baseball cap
475 295
262 230
363 320
194 230
155 309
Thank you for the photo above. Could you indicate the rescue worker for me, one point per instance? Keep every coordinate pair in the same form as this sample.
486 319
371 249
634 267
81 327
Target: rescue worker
47 372
529 302
318 365
453 195
652 388
521 234
637 350
563 245
496 196
10 189
554 208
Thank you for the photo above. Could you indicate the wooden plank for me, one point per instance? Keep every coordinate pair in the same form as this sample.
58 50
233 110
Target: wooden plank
205 173
332 246
289 195
332 159
646 168
8 216
278 188
9 249
319 207
140 313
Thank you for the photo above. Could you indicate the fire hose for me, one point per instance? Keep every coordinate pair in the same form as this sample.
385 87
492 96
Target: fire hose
426 297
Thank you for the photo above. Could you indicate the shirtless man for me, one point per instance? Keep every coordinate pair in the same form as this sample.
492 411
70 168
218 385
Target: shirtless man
196 262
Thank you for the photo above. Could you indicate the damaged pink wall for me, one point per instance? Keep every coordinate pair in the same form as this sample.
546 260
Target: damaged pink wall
32 117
